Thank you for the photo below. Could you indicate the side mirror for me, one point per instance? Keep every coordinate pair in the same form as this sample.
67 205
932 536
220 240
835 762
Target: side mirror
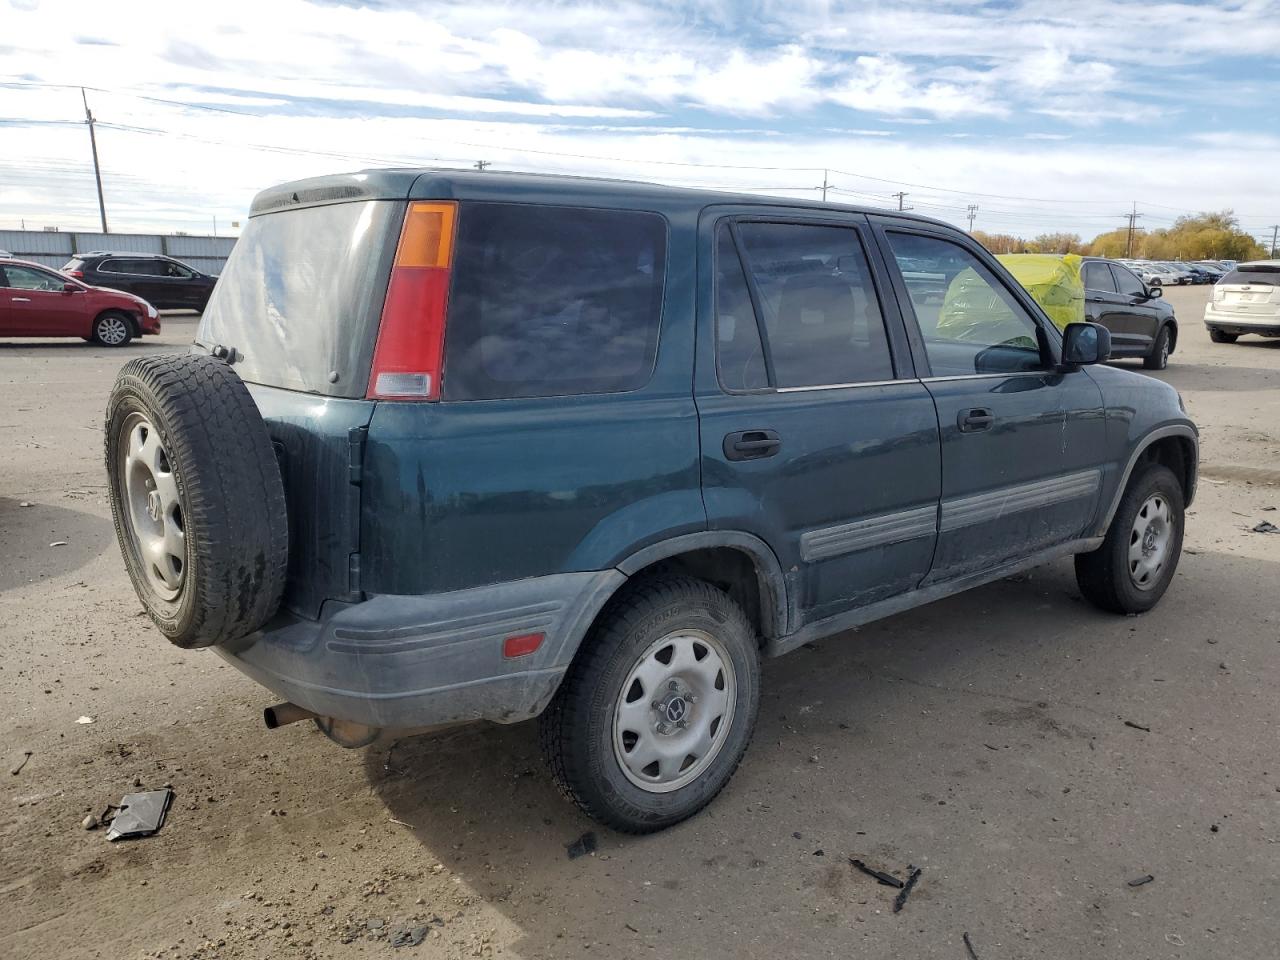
1154 293
1084 343
70 287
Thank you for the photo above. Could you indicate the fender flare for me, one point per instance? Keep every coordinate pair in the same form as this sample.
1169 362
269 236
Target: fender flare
1184 430
775 612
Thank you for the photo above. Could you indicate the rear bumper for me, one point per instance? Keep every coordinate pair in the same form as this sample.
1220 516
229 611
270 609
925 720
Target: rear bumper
1239 321
412 661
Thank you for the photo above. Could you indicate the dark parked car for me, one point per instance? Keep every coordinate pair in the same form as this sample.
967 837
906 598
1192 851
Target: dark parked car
1141 322
589 450
36 301
165 283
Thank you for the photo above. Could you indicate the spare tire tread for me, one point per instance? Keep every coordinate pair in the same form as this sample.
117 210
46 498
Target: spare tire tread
231 492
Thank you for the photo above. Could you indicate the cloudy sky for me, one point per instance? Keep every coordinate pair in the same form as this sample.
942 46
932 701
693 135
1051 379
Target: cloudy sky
1047 115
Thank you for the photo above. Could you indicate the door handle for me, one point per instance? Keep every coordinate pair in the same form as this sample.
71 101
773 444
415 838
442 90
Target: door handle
19 299
971 421
751 444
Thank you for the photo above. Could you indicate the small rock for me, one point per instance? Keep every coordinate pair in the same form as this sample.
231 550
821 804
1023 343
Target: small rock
85 720
27 503
90 822
1214 828
374 923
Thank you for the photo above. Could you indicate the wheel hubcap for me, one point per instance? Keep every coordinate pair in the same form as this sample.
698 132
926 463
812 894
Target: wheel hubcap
675 711
111 330
153 511
1149 541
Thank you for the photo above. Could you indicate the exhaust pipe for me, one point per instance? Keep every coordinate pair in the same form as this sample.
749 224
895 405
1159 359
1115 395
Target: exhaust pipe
283 713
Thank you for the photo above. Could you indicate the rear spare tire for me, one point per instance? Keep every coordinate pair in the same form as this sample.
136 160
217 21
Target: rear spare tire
197 498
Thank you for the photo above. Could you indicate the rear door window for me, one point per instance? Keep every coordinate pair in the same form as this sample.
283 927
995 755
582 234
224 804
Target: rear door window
553 301
1098 277
821 314
739 351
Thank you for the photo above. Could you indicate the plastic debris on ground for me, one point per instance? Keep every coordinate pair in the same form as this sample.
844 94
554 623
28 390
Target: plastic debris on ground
140 814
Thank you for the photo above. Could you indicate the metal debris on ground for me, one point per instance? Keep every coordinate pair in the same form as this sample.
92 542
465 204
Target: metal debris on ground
407 936
17 767
85 720
1141 880
888 879
584 845
1137 726
968 946
901 899
1266 526
140 814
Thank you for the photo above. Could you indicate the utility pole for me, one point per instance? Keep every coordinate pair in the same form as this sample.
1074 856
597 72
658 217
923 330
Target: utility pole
973 212
97 172
824 185
1133 219
1275 231
481 164
901 195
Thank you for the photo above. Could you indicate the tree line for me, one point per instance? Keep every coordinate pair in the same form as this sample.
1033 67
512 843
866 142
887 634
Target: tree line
1205 236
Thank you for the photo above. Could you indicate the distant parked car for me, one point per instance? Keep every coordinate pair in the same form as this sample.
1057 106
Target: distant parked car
1141 323
1148 272
164 282
1178 271
36 301
1246 300
1199 274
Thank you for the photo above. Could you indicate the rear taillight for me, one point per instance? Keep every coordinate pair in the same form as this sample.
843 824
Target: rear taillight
78 274
1218 292
410 348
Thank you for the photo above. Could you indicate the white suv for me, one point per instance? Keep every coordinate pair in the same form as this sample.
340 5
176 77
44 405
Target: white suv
1246 300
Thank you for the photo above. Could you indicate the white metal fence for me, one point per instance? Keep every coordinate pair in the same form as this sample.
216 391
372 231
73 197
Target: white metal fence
55 248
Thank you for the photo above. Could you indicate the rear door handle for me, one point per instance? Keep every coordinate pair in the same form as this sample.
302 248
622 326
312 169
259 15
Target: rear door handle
971 421
19 299
751 444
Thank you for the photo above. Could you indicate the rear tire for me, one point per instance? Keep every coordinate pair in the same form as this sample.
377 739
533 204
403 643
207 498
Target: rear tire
1132 569
621 703
196 497
113 329
1221 336
1158 358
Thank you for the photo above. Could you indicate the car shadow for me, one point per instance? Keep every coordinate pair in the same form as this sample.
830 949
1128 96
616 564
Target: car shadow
845 712
1210 378
28 535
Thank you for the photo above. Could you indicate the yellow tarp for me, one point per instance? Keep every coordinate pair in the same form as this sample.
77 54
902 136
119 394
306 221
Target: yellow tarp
971 309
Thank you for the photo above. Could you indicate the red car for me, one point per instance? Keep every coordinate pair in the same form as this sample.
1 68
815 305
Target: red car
36 301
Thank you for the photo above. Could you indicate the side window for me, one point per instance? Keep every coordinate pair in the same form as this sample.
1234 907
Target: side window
24 278
1097 276
739 355
170 269
552 301
1127 283
970 322
821 315
112 266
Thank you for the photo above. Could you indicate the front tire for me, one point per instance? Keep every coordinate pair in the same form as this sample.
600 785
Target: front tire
1132 569
112 329
1221 336
1158 358
657 710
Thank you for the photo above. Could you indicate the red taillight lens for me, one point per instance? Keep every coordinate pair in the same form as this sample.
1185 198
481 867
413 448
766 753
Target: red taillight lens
78 274
410 349
522 645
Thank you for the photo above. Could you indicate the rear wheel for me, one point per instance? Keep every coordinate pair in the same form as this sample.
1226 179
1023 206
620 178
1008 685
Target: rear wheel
1132 569
196 497
1221 336
657 710
113 329
1158 358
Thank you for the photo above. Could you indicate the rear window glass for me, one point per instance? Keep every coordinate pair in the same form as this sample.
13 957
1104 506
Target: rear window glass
300 296
1264 274
549 301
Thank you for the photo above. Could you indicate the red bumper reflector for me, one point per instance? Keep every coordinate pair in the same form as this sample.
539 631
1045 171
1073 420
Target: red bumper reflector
522 645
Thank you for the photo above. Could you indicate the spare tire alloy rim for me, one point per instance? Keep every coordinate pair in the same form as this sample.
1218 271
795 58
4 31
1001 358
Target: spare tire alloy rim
112 331
675 711
1149 541
154 513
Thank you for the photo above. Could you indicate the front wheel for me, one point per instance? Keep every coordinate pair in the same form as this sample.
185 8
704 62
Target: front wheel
113 329
1221 336
1132 569
657 710
1158 358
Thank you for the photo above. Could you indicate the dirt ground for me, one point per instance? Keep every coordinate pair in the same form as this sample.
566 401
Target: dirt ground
982 739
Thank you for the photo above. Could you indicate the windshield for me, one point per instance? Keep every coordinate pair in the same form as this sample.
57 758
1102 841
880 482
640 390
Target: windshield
300 296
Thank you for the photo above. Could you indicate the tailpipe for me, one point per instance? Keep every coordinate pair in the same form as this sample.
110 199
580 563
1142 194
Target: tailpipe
284 713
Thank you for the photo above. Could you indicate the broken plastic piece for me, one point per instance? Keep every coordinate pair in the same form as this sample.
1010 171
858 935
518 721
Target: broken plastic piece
582 846
1141 880
968 946
1137 726
888 879
901 899
1266 526
140 814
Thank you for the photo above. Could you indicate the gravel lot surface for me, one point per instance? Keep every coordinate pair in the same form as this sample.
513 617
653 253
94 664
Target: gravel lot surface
982 739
